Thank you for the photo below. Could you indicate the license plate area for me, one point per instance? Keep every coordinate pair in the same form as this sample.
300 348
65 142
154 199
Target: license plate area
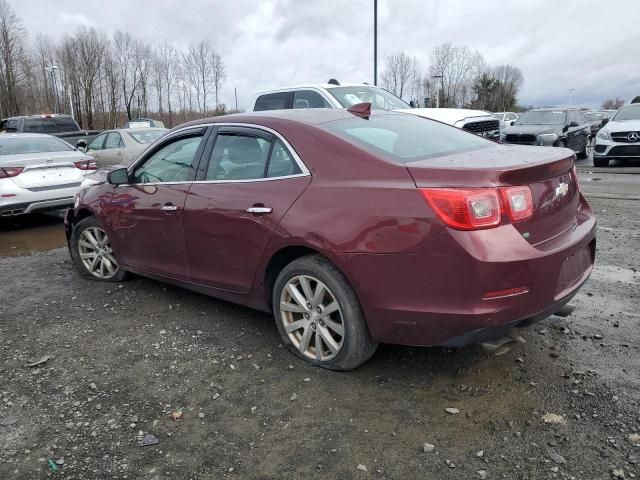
573 269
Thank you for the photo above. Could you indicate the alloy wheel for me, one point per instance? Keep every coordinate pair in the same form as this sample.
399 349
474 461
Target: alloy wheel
312 318
96 254
588 148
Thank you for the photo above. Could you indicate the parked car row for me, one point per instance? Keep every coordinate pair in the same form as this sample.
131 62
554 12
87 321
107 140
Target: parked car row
619 138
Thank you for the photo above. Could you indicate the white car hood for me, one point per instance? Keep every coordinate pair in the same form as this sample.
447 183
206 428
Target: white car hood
623 126
448 115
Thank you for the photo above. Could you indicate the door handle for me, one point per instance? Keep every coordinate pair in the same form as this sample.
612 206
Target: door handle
169 208
259 210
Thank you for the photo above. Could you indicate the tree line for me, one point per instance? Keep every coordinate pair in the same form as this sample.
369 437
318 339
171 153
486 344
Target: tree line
456 77
104 80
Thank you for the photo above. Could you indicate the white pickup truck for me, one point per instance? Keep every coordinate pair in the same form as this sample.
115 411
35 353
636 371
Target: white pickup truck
336 95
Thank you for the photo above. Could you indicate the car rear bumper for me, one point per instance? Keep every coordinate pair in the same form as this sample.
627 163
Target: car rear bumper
13 209
15 200
441 295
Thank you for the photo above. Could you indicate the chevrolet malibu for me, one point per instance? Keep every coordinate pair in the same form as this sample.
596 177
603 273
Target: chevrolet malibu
352 227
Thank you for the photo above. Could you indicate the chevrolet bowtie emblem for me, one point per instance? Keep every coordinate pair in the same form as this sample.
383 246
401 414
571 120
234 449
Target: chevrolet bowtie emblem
562 189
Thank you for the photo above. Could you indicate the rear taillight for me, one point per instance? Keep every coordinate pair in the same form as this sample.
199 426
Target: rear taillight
7 172
475 209
86 165
517 202
574 174
465 209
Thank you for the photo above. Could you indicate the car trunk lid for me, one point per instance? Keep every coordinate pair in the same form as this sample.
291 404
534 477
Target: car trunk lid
546 171
44 170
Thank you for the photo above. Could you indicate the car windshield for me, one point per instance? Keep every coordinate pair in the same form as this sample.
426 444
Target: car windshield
147 136
499 116
542 117
594 116
627 113
22 145
403 138
380 99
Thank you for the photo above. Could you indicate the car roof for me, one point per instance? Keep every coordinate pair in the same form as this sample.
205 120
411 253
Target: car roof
141 129
326 86
25 135
267 118
552 109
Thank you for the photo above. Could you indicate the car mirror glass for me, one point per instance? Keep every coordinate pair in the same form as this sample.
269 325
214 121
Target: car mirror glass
119 176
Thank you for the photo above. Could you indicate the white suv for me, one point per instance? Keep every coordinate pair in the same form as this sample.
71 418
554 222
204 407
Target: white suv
336 95
619 138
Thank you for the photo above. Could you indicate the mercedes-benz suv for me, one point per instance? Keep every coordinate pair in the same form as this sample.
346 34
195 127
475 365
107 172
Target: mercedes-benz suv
619 139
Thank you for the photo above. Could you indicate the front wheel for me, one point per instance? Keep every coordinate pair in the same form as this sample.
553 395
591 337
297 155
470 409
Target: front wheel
92 254
319 317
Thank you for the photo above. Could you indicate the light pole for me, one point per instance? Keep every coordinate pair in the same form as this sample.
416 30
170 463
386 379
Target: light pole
570 90
375 42
437 91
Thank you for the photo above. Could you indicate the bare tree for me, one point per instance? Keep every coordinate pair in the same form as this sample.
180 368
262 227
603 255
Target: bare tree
132 58
459 67
12 52
89 48
510 80
611 104
397 74
219 75
198 63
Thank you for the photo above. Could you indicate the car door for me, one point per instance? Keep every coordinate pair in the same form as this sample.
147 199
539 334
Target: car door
95 146
247 181
111 153
573 135
147 214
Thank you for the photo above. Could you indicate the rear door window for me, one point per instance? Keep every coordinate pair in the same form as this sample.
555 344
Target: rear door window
281 163
238 157
273 101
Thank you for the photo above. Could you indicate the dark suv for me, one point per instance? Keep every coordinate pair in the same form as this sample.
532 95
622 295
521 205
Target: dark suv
552 127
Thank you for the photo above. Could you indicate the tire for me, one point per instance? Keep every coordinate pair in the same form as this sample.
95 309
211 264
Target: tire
327 289
562 144
600 162
106 268
586 151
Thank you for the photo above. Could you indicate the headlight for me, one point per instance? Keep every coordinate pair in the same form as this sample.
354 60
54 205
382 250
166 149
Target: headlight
546 138
604 135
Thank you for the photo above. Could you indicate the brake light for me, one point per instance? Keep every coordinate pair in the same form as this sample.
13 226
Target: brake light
475 209
86 164
464 209
7 172
518 202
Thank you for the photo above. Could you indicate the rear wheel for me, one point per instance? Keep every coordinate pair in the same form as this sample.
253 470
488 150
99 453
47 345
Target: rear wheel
318 315
92 253
600 162
562 144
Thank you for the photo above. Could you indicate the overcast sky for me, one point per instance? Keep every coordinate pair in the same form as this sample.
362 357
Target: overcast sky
591 46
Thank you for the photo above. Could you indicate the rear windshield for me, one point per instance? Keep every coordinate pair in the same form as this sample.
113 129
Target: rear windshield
149 136
543 117
403 138
49 125
22 145
628 113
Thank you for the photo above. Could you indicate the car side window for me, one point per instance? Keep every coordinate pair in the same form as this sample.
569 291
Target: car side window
511 116
271 101
238 157
581 118
281 163
114 140
309 99
96 143
174 162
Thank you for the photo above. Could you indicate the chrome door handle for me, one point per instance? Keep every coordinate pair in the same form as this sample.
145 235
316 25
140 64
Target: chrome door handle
259 210
169 208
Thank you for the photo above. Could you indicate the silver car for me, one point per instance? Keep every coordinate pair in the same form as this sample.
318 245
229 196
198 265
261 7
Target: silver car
39 172
121 147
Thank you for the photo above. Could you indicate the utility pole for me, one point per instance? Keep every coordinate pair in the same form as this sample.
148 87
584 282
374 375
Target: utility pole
375 42
570 90
235 91
437 90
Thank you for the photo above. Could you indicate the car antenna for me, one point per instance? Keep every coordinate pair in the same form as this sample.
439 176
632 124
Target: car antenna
361 109
333 81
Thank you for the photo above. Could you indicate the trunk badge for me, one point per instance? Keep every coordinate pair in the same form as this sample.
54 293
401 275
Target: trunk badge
562 189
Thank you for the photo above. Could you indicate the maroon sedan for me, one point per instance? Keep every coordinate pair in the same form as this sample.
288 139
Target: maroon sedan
352 227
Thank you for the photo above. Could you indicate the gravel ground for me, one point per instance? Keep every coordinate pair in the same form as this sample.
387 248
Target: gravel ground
121 359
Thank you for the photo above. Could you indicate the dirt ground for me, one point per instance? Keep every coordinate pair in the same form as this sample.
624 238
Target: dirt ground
124 357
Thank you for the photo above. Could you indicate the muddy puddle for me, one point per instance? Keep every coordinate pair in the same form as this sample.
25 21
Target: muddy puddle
24 235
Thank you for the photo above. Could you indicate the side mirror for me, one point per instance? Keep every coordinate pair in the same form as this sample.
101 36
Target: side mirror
119 176
412 104
511 122
81 145
605 121
574 124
